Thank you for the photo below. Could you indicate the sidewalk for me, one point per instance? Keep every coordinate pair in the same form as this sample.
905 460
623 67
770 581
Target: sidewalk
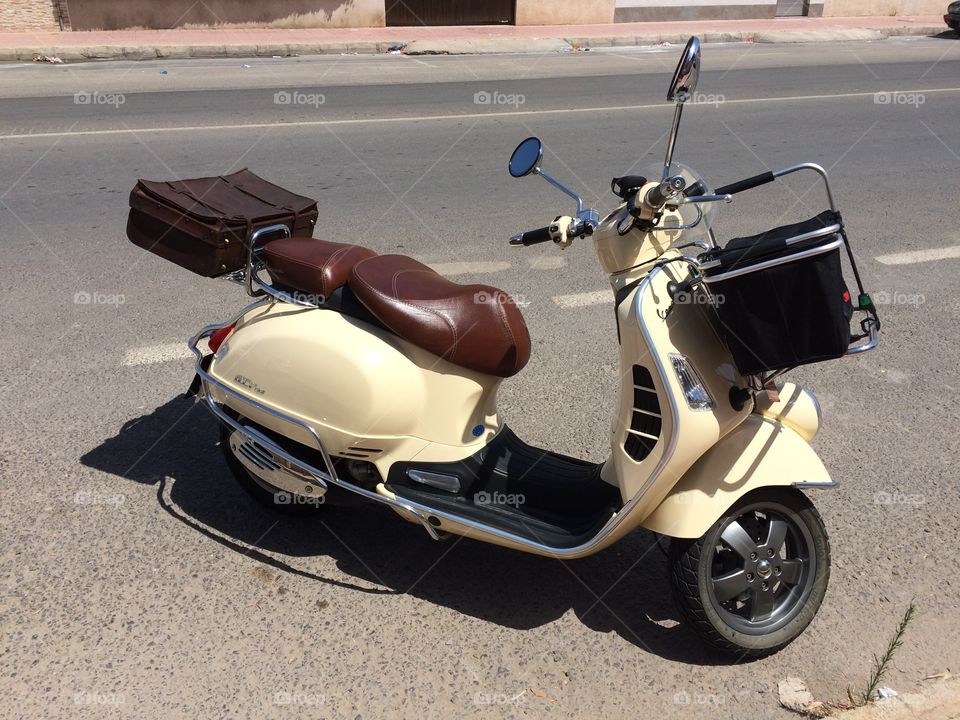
151 44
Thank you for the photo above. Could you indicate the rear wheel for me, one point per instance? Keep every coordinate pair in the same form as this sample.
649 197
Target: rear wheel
755 580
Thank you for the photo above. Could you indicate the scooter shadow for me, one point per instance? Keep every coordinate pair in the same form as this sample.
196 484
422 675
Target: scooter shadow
623 589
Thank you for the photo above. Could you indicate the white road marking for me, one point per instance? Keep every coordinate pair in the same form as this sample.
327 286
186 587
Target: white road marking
548 262
462 268
583 299
919 256
153 354
419 61
451 116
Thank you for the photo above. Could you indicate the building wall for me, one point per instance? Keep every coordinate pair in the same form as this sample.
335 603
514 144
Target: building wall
857 8
118 14
665 10
42 15
564 12
27 16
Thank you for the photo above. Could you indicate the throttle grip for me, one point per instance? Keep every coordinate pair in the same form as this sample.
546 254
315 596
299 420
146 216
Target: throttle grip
532 237
658 196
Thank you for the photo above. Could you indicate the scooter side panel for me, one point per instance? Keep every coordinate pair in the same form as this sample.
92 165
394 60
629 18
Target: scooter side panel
652 328
360 387
760 452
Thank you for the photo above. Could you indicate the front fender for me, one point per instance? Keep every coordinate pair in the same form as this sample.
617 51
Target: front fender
760 452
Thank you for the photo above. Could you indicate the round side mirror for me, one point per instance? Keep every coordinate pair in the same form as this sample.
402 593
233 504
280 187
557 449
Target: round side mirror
526 158
687 73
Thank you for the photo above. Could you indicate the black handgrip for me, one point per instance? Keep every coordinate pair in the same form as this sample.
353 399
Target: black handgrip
532 237
741 185
656 198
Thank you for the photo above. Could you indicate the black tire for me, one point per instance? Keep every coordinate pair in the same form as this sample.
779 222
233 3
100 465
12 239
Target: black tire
279 501
705 570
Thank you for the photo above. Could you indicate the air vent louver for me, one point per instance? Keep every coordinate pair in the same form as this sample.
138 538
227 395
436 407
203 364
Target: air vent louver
646 421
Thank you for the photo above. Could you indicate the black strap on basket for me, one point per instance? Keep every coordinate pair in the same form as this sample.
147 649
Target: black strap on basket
864 302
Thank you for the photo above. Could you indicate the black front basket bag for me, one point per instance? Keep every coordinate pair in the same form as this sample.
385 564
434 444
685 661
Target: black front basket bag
781 297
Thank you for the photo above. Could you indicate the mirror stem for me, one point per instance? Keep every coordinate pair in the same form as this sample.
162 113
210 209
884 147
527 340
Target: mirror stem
672 141
562 187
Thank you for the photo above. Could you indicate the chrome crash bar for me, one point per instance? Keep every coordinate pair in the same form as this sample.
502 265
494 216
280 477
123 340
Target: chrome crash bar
323 477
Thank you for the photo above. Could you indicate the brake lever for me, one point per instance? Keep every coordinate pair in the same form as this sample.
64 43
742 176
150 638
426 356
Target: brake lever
684 199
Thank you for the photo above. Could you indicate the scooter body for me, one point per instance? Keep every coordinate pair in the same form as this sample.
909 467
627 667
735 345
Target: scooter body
371 396
315 397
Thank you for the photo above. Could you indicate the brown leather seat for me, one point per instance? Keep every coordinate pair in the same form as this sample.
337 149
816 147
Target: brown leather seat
476 326
311 265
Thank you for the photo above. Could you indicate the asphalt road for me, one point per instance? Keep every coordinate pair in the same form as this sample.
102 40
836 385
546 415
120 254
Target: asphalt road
138 579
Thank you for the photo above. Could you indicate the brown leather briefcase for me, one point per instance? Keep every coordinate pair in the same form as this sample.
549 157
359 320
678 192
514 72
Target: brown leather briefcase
204 224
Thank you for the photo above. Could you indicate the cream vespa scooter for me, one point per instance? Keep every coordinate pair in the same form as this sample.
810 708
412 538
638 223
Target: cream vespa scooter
372 376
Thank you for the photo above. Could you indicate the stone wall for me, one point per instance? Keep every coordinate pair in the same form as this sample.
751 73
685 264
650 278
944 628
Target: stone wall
162 14
564 12
27 16
668 10
853 8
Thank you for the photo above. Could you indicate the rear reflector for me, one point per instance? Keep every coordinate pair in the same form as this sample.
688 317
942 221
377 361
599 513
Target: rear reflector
218 336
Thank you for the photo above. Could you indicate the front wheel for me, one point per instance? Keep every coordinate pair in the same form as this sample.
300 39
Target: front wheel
752 583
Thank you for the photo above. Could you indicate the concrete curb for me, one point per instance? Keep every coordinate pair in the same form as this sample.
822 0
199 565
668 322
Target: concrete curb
486 46
764 36
81 53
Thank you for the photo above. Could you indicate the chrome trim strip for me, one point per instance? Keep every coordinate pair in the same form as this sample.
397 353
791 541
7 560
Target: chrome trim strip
776 261
822 232
815 484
